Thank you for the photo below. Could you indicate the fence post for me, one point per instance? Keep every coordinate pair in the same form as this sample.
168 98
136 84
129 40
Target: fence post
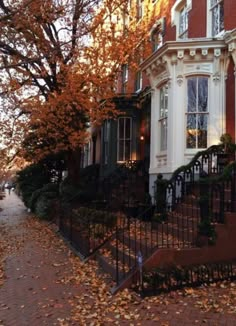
140 265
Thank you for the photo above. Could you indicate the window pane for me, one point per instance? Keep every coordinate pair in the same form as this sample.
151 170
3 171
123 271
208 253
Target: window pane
213 2
121 122
192 94
163 102
138 81
127 150
120 150
183 22
157 40
202 94
202 131
191 131
217 17
163 124
127 128
221 22
124 138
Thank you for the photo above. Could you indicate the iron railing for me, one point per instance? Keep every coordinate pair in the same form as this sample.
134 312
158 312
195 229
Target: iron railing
168 279
87 230
204 176
150 231
120 189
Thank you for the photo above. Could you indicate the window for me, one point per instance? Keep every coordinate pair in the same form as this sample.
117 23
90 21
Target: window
124 77
197 112
138 81
157 41
163 115
217 16
85 161
157 32
180 17
106 140
124 138
183 23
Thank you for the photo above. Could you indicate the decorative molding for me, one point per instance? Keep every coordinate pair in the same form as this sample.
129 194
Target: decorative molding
192 53
231 47
162 78
180 54
180 80
216 78
196 68
204 52
217 52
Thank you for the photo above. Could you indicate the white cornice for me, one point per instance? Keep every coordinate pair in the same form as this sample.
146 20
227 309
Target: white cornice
190 47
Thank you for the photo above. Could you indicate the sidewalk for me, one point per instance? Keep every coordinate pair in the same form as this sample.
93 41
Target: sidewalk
45 284
32 293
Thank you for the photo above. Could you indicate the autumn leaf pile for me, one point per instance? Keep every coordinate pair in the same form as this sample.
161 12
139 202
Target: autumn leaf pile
93 303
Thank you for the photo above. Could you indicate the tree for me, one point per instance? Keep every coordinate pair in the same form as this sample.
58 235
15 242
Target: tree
58 68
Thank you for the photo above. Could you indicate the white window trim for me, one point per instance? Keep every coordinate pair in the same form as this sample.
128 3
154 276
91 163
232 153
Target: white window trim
209 22
175 13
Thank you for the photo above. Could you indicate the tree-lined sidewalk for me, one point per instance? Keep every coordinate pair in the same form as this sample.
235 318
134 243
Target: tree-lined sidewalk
44 283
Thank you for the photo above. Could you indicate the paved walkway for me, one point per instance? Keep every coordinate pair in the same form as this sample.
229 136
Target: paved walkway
32 293
45 284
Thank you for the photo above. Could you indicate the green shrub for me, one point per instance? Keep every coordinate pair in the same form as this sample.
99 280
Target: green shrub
86 191
44 206
30 179
47 193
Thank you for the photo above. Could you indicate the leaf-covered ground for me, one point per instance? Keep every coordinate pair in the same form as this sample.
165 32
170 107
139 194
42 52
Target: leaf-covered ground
44 283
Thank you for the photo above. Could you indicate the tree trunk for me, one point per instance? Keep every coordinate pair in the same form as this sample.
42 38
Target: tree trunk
73 165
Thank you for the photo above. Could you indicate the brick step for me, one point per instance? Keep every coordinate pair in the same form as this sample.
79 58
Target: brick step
160 235
109 266
183 220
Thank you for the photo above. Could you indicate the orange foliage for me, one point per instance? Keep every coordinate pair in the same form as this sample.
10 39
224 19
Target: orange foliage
60 60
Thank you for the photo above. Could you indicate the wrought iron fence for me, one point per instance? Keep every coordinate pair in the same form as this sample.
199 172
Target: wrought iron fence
150 231
87 229
176 277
